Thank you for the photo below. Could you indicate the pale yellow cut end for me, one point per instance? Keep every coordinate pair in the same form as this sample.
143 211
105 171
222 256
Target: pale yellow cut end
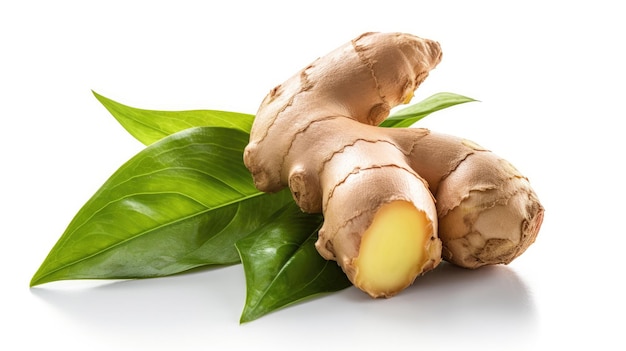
393 249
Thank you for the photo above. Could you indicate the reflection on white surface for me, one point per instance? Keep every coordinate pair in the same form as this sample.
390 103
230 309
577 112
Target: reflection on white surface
182 299
482 308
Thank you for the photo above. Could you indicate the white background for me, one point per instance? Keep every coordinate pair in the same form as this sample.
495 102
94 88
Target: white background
550 78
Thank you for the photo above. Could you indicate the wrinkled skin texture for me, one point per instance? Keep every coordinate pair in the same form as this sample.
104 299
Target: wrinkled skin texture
317 134
488 213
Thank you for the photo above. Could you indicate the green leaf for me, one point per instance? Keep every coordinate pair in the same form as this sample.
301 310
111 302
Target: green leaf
409 115
187 201
148 126
282 265
180 203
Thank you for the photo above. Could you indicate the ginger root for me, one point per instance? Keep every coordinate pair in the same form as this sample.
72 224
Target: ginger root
390 197
316 133
487 211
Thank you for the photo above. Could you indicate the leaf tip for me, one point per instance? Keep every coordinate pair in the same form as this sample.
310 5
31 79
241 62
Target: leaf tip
99 97
35 280
243 320
249 314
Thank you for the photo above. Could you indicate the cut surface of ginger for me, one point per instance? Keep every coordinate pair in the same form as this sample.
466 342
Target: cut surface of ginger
393 249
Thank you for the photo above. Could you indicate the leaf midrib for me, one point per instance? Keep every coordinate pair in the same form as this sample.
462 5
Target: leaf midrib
139 235
299 248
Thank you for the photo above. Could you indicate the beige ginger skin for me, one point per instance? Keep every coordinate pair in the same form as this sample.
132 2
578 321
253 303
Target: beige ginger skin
390 197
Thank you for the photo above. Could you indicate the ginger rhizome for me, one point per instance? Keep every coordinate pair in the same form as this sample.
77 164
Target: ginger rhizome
488 213
394 200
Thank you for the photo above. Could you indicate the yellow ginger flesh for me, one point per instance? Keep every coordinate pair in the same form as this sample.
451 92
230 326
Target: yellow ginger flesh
392 249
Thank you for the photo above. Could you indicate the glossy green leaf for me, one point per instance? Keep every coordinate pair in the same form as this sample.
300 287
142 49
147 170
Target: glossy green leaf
148 126
187 201
408 116
282 265
180 203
